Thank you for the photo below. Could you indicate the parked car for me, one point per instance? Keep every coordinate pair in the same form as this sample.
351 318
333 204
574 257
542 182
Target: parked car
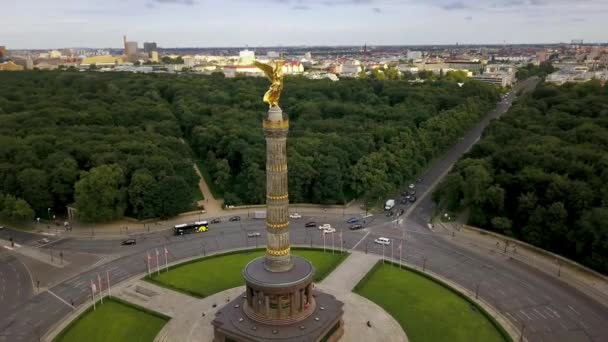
329 230
352 220
310 224
390 213
412 192
216 220
404 201
403 194
356 227
383 241
412 186
400 212
234 218
129 242
413 199
253 234
295 216
1 227
325 226
44 240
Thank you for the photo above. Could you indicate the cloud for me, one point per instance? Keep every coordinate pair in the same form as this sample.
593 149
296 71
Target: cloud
454 6
468 18
300 8
377 10
175 2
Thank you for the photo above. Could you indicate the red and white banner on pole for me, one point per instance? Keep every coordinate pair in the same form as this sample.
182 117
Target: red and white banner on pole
148 259
400 252
100 288
341 242
93 290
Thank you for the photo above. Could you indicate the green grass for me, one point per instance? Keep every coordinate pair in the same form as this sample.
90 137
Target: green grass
206 276
114 321
426 309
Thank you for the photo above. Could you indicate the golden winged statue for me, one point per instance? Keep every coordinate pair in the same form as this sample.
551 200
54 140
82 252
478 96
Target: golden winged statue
275 75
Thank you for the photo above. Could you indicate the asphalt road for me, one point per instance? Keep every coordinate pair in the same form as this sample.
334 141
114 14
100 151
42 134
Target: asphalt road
548 309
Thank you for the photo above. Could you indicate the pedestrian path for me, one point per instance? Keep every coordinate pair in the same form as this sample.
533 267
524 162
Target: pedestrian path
358 311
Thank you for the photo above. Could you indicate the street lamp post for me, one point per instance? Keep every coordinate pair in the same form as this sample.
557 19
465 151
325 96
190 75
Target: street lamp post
48 210
423 264
476 290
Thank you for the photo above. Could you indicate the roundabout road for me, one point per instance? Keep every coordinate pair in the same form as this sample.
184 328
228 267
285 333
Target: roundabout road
547 308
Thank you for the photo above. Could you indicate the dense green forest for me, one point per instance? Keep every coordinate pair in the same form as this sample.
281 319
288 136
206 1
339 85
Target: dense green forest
118 143
540 173
348 139
110 143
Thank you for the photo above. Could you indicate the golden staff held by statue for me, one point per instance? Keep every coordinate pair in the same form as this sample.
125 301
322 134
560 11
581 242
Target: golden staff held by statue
275 75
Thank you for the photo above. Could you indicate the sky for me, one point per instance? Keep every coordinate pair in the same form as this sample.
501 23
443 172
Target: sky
47 24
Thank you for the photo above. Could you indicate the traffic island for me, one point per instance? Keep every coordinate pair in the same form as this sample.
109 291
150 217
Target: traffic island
114 320
426 308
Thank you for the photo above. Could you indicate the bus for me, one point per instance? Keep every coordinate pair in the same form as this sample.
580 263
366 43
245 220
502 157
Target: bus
189 228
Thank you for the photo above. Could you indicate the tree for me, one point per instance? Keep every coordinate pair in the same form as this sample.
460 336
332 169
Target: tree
63 176
34 189
100 194
140 189
23 211
170 196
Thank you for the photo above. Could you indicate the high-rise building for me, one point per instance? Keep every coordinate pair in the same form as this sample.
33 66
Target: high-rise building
154 56
130 48
149 47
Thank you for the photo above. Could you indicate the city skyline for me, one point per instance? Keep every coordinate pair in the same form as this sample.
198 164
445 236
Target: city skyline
36 24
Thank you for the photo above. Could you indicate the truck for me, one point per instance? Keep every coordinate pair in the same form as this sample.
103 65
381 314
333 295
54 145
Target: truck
259 214
389 204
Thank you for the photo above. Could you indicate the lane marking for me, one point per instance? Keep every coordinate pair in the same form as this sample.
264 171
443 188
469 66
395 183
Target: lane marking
61 299
359 242
540 314
576 312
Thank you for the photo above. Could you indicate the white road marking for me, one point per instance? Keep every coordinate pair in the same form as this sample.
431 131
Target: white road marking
61 299
553 311
525 314
358 242
539 313
576 312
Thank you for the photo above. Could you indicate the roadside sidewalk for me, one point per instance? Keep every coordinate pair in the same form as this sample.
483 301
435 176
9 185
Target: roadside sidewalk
586 281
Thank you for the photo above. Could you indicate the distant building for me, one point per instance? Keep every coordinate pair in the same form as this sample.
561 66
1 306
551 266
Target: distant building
542 56
10 66
149 47
273 54
246 57
475 66
130 49
293 68
414 55
502 79
101 61
154 56
231 71
29 63
2 52
350 69
55 54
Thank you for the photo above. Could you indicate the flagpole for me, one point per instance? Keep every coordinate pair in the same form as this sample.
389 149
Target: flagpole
157 265
332 243
400 253
148 263
341 242
108 279
383 245
93 294
392 255
166 263
323 241
100 294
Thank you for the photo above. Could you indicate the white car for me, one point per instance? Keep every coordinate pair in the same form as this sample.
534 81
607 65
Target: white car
253 234
329 231
383 241
44 240
295 216
412 186
325 226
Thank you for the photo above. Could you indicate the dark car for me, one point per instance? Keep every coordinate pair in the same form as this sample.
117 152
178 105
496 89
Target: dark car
404 201
352 220
215 220
400 212
412 192
310 224
403 194
355 227
390 213
234 218
412 199
129 242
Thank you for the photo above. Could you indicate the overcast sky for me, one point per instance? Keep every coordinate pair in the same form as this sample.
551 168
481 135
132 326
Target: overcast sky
205 23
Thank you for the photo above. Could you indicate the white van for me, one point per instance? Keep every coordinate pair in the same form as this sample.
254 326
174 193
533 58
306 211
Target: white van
383 241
